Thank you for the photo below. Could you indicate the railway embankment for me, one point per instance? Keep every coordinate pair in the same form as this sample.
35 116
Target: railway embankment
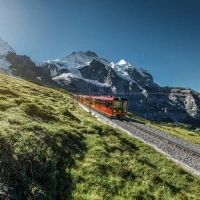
184 153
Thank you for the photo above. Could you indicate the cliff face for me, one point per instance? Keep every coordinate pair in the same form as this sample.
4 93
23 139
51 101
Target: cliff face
23 67
168 104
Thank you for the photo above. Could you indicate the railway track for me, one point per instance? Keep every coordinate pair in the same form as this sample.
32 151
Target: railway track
181 151
178 149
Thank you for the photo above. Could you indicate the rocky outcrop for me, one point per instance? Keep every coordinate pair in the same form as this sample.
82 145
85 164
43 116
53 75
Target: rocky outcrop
168 104
51 70
105 74
23 67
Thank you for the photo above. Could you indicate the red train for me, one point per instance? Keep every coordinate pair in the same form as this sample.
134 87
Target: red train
110 106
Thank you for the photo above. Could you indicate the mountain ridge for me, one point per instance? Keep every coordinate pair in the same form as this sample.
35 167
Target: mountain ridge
86 72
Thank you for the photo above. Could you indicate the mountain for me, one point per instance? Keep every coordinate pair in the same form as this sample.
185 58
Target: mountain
102 76
87 73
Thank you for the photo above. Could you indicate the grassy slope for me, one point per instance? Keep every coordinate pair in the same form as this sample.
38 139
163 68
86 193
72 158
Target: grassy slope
51 149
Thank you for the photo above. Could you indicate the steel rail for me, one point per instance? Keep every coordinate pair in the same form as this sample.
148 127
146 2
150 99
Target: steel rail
185 151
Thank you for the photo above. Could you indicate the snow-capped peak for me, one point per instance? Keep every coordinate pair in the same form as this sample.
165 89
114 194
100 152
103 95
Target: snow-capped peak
5 47
81 59
121 62
74 62
121 69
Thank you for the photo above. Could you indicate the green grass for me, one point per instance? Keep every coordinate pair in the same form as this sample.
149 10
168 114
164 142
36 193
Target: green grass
52 149
179 130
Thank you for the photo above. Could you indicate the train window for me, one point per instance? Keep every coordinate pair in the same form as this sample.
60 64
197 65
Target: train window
117 104
96 101
125 106
100 102
108 104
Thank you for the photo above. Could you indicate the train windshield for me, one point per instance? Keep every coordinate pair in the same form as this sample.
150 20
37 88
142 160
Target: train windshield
120 106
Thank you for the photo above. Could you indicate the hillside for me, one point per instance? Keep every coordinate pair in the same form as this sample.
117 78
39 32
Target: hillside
52 149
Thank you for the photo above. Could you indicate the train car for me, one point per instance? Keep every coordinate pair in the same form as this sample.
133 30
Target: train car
110 106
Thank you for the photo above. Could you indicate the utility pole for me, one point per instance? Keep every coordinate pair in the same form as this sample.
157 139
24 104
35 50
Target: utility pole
89 99
89 92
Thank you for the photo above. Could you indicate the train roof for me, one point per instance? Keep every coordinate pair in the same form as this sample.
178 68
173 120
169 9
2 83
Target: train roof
106 98
103 98
109 98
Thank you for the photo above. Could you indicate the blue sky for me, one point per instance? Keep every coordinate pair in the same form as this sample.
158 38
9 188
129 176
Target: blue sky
161 36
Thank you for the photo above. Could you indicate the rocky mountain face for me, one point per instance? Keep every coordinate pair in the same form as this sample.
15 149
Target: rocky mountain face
87 73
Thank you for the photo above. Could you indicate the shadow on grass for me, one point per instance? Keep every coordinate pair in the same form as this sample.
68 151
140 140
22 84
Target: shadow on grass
158 180
127 145
40 170
134 120
141 159
10 93
7 166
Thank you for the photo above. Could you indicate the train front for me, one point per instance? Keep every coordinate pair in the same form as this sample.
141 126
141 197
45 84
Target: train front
120 107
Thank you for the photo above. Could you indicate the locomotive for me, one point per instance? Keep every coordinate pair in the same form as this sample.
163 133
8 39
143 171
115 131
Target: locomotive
113 107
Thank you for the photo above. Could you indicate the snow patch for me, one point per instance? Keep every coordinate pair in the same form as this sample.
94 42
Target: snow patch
121 62
39 78
4 66
77 60
5 48
68 76
145 93
73 62
140 70
38 63
121 69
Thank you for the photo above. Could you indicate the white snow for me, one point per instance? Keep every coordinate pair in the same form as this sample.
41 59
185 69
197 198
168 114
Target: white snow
95 82
120 69
121 62
80 59
140 70
145 93
38 63
73 62
67 77
4 64
39 78
64 76
5 48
